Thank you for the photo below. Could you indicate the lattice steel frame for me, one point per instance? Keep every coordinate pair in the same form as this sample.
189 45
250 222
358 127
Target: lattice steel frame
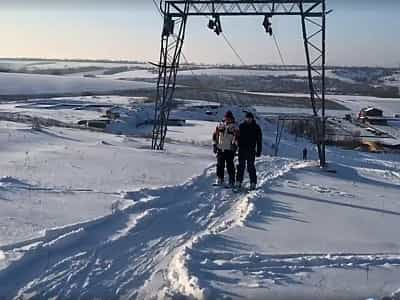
176 12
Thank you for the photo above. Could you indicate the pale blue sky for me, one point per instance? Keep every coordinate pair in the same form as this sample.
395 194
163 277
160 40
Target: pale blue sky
360 32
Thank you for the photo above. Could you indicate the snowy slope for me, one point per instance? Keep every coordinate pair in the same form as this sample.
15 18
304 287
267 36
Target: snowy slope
393 80
48 176
144 232
27 84
33 65
224 73
132 75
390 106
74 109
304 233
218 244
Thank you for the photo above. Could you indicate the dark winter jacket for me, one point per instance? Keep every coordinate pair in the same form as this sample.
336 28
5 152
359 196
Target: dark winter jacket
250 137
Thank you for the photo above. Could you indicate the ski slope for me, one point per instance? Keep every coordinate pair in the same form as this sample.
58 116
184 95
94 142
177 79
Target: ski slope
205 243
117 255
100 216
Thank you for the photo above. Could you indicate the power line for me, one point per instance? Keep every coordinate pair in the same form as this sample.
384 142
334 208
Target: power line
186 61
157 7
184 57
182 54
279 50
223 35
233 49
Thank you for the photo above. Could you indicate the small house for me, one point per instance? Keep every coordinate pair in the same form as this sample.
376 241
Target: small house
372 115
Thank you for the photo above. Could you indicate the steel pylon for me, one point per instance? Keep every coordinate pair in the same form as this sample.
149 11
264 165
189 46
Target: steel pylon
176 13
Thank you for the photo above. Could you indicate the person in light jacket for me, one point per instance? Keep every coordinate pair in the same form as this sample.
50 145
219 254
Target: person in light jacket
225 141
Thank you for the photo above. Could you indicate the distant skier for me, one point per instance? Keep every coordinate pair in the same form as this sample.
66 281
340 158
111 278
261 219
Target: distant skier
250 147
305 153
225 140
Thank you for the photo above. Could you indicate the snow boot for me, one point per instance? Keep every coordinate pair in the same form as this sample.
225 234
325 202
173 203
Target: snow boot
238 187
219 182
230 185
253 186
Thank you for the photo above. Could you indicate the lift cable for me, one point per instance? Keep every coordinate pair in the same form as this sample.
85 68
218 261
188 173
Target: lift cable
233 48
157 7
196 77
185 59
278 48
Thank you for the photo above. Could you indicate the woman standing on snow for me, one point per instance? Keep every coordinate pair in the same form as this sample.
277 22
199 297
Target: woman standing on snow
225 141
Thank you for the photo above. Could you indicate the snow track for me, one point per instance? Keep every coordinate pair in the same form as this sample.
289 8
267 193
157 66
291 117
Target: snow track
118 256
253 270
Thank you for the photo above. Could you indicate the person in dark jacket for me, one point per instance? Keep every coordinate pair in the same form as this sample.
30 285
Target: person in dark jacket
250 147
305 153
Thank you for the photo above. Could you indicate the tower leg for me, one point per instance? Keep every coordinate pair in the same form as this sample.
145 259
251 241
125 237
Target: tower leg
170 54
314 44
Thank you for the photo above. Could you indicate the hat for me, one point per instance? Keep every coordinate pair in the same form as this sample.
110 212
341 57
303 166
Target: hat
229 115
249 115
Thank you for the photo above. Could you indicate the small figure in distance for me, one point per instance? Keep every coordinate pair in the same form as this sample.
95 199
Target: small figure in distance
305 153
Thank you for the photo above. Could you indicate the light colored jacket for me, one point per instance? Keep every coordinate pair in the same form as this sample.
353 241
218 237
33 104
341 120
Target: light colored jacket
226 136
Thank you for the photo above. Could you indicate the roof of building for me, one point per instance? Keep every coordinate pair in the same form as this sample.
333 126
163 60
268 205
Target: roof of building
389 142
370 108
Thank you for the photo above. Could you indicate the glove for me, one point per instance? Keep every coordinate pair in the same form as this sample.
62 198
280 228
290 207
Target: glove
215 149
234 148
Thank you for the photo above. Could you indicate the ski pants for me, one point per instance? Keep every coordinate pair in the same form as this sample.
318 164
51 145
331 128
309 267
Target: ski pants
225 158
247 157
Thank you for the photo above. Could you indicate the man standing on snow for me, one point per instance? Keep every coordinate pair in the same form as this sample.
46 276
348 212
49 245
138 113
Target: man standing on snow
225 140
305 152
250 147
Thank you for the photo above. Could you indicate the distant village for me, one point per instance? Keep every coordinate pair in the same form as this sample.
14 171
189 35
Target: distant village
371 130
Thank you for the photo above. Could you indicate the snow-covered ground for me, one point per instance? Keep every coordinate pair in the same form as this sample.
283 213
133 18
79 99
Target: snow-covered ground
34 65
144 70
59 176
304 234
74 109
131 75
393 80
32 84
390 106
225 73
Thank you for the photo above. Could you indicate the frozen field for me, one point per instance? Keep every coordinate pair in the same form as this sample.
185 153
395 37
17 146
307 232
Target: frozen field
147 71
390 106
34 65
305 233
29 84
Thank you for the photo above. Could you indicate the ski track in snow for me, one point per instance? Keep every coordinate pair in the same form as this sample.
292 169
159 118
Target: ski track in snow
119 255
114 256
263 271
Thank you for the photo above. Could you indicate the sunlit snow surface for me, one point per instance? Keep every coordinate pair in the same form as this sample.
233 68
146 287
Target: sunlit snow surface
304 234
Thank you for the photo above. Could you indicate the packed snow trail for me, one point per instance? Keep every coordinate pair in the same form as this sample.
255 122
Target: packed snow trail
118 255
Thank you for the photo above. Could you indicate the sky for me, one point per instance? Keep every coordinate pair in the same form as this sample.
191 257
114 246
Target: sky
359 32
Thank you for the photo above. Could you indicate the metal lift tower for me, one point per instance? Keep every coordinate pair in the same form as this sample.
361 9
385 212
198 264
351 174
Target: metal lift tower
312 14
